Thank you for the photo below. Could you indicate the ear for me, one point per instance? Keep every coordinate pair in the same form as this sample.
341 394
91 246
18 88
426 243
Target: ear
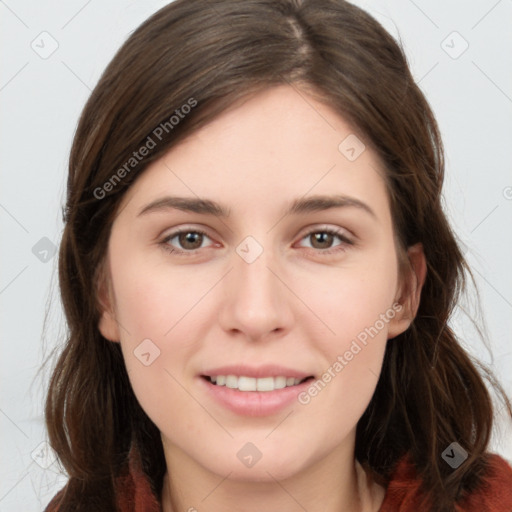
411 283
107 323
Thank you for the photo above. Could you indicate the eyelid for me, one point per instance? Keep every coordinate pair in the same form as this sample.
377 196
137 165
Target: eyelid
337 231
184 228
164 240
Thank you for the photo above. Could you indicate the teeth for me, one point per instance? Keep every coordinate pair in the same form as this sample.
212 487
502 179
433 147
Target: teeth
231 381
247 384
279 382
244 383
266 384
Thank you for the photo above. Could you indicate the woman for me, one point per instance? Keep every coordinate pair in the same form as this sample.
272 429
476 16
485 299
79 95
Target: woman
257 275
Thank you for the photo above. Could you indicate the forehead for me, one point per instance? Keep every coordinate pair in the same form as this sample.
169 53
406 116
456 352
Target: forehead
277 145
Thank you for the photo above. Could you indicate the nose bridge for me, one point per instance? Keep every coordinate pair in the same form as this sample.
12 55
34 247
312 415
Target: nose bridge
256 302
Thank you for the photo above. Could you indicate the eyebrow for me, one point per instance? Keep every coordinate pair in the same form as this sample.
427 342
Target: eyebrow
298 206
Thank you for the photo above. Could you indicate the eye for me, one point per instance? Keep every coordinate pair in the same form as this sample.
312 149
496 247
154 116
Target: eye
326 240
185 240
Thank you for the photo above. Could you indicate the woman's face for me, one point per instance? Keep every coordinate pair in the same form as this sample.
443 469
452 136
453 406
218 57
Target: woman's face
285 270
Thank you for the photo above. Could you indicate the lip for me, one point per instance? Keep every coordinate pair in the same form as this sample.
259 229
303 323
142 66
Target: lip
268 370
254 403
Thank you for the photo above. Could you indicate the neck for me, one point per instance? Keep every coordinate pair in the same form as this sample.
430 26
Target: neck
335 483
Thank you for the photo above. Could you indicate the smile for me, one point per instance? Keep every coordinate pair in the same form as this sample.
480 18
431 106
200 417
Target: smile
254 391
265 384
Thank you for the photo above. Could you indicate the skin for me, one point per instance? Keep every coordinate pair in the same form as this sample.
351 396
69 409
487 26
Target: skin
295 305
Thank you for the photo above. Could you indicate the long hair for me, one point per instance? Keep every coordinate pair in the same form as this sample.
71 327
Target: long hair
208 54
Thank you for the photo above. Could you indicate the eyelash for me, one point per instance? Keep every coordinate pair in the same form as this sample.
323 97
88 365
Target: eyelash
338 248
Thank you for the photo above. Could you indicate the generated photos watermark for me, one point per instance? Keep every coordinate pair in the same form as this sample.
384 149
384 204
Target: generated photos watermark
150 143
356 346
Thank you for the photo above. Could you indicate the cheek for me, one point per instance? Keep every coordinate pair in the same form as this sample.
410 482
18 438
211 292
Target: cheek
153 300
353 301
358 307
157 341
160 317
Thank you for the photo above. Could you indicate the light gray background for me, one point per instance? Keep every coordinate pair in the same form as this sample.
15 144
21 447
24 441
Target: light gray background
41 98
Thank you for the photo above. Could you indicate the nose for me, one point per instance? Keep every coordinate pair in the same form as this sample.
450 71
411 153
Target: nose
256 303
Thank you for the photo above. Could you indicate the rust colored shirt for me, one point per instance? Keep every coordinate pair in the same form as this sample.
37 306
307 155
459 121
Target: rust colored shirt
493 495
134 493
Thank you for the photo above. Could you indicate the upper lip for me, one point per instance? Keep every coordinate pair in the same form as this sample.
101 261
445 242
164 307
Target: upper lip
267 370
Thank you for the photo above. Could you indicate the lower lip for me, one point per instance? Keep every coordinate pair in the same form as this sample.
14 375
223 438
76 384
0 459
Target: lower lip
254 403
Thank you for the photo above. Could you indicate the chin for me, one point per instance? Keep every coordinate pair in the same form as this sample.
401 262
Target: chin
268 471
263 461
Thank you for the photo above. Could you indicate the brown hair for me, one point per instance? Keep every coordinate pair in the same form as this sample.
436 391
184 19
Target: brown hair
215 53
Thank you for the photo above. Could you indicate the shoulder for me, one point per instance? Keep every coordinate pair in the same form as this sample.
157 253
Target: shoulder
494 493
132 492
133 489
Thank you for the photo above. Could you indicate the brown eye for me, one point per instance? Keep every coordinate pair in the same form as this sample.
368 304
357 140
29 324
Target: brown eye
326 240
321 240
190 240
186 241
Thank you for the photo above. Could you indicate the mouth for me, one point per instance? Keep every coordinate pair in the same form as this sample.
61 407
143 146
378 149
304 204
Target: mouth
264 390
258 384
